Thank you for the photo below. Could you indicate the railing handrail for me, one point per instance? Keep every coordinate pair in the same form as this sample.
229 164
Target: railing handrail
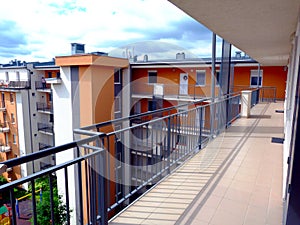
106 123
52 150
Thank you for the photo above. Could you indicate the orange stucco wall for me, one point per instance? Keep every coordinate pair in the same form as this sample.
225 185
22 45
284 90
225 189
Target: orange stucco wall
273 76
171 78
10 107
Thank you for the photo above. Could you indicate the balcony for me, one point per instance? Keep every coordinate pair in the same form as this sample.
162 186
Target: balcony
45 128
4 128
196 171
42 87
44 107
43 146
170 91
5 148
227 182
53 80
15 84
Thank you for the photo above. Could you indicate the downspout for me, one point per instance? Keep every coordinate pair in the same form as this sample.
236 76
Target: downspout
29 110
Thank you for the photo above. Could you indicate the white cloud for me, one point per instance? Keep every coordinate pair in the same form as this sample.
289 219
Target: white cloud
49 26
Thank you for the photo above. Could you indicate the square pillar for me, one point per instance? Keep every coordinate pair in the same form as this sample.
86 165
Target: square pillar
246 104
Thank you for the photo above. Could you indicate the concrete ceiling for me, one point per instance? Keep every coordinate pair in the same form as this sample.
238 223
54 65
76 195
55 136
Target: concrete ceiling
263 29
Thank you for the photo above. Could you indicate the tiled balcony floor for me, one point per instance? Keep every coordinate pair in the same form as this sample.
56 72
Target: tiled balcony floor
235 180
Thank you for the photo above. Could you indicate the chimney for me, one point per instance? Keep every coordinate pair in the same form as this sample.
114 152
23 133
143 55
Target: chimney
180 56
238 54
77 48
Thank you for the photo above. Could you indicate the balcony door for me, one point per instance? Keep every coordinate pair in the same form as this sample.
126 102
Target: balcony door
183 85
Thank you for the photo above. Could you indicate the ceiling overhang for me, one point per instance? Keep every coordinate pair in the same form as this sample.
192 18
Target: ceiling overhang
262 29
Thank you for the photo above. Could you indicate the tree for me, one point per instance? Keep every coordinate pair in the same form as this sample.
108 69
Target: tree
43 207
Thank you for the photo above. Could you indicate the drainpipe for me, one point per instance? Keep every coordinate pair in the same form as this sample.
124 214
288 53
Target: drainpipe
257 96
29 110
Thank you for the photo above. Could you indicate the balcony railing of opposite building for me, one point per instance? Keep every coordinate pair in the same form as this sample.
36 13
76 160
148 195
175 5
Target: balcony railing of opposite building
48 128
43 146
14 84
39 85
5 147
44 107
190 91
4 127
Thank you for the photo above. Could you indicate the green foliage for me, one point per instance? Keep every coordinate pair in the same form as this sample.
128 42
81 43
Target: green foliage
5 196
43 207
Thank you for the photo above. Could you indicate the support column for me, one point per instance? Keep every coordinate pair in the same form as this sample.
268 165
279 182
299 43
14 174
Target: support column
246 104
213 84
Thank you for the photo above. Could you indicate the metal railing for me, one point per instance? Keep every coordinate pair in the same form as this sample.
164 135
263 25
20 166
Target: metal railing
192 91
44 107
39 85
265 93
114 168
43 146
15 84
254 96
48 128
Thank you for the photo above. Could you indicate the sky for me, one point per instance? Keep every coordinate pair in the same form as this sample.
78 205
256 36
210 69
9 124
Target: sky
39 30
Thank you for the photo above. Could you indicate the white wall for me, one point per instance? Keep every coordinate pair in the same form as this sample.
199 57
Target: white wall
63 130
293 70
24 131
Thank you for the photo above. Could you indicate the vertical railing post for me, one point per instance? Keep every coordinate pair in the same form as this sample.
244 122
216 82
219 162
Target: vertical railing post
79 191
169 144
200 127
13 207
103 187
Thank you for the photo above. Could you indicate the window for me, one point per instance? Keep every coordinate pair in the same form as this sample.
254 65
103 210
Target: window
13 120
51 119
57 74
49 74
218 78
117 76
18 76
152 76
201 77
256 78
117 104
6 77
14 139
50 97
151 105
11 97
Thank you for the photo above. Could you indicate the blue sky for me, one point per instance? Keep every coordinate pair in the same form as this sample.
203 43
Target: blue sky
39 30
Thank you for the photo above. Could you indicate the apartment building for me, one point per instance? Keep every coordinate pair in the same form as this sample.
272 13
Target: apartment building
184 80
26 113
89 93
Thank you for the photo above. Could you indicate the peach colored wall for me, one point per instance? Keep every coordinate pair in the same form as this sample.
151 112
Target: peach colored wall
13 129
171 78
273 76
96 87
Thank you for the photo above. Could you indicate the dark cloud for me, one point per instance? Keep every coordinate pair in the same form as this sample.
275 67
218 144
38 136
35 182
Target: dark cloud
12 39
10 35
154 49
187 30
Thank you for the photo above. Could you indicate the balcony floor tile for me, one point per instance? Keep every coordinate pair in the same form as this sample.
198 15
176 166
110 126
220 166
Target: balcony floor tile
235 180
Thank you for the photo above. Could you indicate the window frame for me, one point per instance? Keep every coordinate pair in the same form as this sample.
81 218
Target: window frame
198 72
152 77
254 73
